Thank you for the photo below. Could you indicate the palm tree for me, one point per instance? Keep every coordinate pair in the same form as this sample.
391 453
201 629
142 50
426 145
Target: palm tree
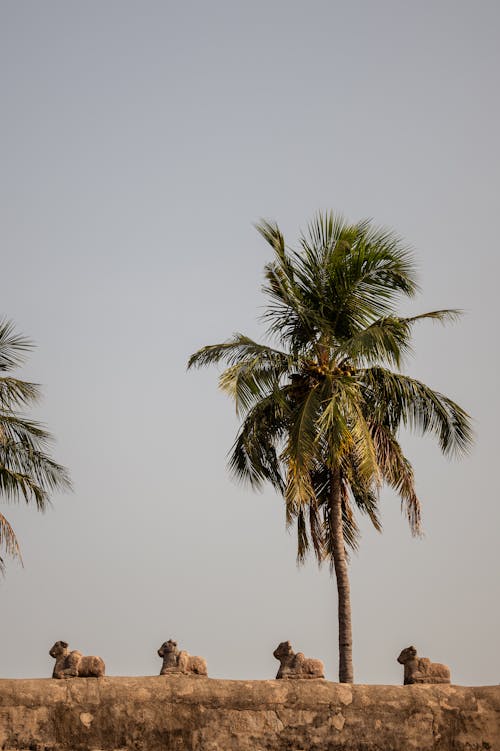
321 404
26 470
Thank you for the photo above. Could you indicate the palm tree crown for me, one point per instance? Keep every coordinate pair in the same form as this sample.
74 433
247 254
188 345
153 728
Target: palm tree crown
26 470
322 408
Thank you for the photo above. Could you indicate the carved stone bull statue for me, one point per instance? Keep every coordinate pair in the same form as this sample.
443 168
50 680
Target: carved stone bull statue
175 661
421 669
295 665
74 664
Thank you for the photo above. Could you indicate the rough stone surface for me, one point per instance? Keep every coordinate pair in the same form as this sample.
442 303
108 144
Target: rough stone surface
200 714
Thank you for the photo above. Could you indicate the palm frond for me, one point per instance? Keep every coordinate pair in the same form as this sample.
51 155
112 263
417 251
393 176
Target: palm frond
273 235
26 469
303 544
13 347
342 426
238 349
8 542
447 315
365 490
398 474
350 530
15 428
14 485
31 474
15 393
299 452
400 400
254 455
388 339
254 369
247 384
288 316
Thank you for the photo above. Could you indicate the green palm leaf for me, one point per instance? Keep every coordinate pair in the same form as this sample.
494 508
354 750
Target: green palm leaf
400 400
27 471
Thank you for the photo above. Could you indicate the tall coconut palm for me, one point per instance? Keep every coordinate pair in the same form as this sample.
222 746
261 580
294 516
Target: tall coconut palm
26 470
323 402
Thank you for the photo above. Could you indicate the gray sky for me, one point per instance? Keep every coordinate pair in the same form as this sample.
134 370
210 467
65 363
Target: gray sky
140 140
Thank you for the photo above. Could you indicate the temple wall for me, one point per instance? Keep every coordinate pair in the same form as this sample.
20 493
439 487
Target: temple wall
200 714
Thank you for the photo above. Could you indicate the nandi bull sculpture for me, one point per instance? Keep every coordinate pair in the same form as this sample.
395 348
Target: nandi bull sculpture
74 664
295 665
175 661
421 669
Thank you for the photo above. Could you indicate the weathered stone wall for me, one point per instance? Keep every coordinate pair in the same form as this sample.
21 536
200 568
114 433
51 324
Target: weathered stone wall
200 714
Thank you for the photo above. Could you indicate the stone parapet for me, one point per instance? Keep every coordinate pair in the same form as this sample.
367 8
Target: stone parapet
180 713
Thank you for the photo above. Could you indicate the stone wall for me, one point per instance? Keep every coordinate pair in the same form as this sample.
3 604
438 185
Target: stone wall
200 714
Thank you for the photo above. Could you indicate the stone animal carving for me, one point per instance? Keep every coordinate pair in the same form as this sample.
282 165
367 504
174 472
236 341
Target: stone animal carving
295 665
175 661
74 664
421 669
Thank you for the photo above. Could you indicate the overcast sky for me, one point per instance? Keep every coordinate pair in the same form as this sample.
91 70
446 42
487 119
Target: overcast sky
139 142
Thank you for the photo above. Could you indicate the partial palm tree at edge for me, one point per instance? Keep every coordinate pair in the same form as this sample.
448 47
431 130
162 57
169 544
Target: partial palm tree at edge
321 410
27 471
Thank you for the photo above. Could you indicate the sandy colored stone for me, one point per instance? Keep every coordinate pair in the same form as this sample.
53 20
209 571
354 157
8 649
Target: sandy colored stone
74 664
421 669
200 714
175 661
86 719
294 665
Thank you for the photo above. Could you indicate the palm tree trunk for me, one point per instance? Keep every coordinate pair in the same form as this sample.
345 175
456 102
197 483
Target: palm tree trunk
346 673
